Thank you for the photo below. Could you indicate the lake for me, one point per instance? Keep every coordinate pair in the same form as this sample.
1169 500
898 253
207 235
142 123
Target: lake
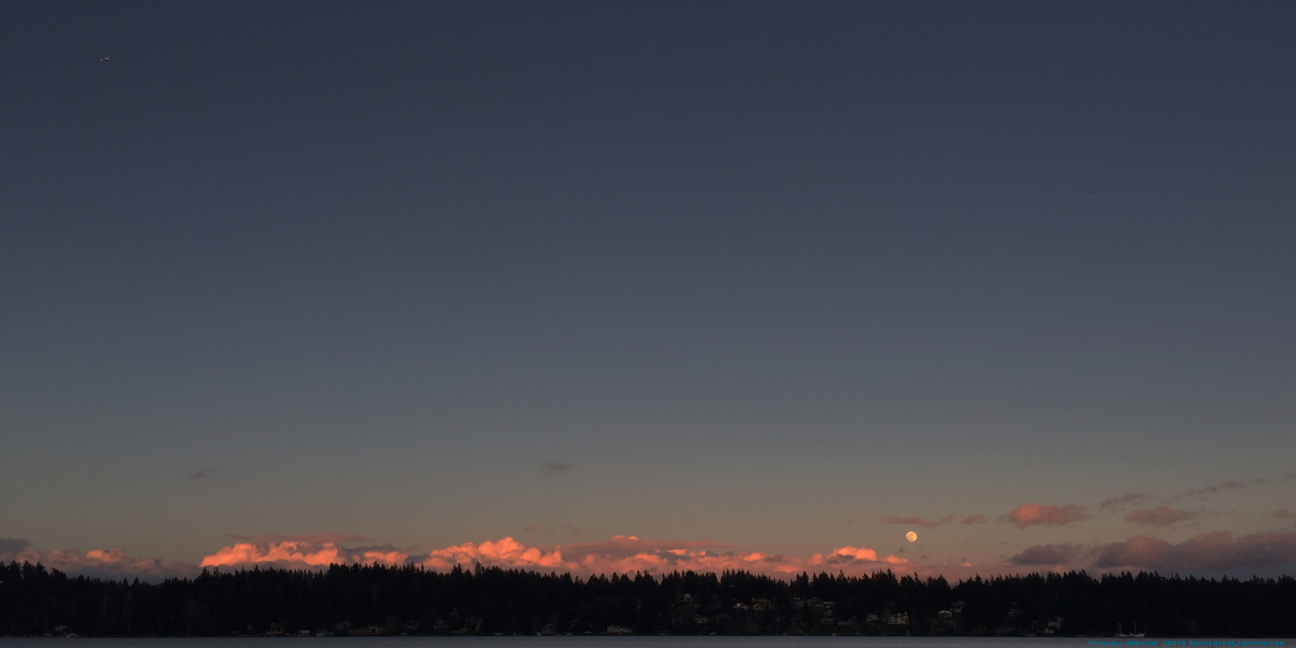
627 642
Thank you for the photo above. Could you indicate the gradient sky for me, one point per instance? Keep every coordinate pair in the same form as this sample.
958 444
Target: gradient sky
757 274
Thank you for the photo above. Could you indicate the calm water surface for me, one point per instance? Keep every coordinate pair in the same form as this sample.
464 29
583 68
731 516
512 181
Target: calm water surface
627 642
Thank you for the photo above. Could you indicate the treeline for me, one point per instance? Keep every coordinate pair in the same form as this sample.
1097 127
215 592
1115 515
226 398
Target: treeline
377 599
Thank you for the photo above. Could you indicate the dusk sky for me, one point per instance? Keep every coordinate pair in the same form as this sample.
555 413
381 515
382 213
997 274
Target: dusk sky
733 278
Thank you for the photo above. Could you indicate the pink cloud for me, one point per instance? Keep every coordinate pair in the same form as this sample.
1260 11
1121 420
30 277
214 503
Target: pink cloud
96 563
297 554
623 554
504 553
1161 516
1209 551
1121 501
915 520
1282 513
1033 514
618 554
1048 554
860 553
973 519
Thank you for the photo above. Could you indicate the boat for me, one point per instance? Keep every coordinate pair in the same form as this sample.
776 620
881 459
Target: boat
1133 635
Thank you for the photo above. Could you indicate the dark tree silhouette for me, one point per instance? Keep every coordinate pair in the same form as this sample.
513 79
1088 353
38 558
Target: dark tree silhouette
379 599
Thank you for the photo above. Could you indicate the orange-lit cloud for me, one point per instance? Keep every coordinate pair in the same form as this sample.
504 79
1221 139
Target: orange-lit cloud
628 554
1033 514
1161 516
915 520
1208 551
297 554
505 553
618 554
624 554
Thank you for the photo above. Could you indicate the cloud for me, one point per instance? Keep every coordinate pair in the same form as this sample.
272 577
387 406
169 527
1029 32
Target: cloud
1215 488
203 473
1121 501
618 554
299 554
1034 514
973 519
1207 551
1161 516
1048 554
12 546
97 563
866 555
915 520
506 552
1280 513
555 468
623 554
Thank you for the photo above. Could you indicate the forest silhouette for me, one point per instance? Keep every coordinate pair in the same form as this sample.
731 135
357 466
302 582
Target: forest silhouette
385 600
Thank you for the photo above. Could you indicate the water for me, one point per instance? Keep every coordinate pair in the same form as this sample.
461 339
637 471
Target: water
628 642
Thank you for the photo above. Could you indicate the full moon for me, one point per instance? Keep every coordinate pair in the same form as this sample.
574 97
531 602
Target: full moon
911 536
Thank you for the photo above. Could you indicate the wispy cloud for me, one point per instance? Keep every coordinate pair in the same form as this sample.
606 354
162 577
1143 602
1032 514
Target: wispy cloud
204 473
1216 488
919 521
1048 554
1282 513
974 519
1122 501
13 546
555 468
1047 514
1161 516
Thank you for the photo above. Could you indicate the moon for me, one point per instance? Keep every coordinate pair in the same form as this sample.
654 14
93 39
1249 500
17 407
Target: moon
911 536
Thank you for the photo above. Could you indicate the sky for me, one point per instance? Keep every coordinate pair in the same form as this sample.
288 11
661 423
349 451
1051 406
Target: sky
648 285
